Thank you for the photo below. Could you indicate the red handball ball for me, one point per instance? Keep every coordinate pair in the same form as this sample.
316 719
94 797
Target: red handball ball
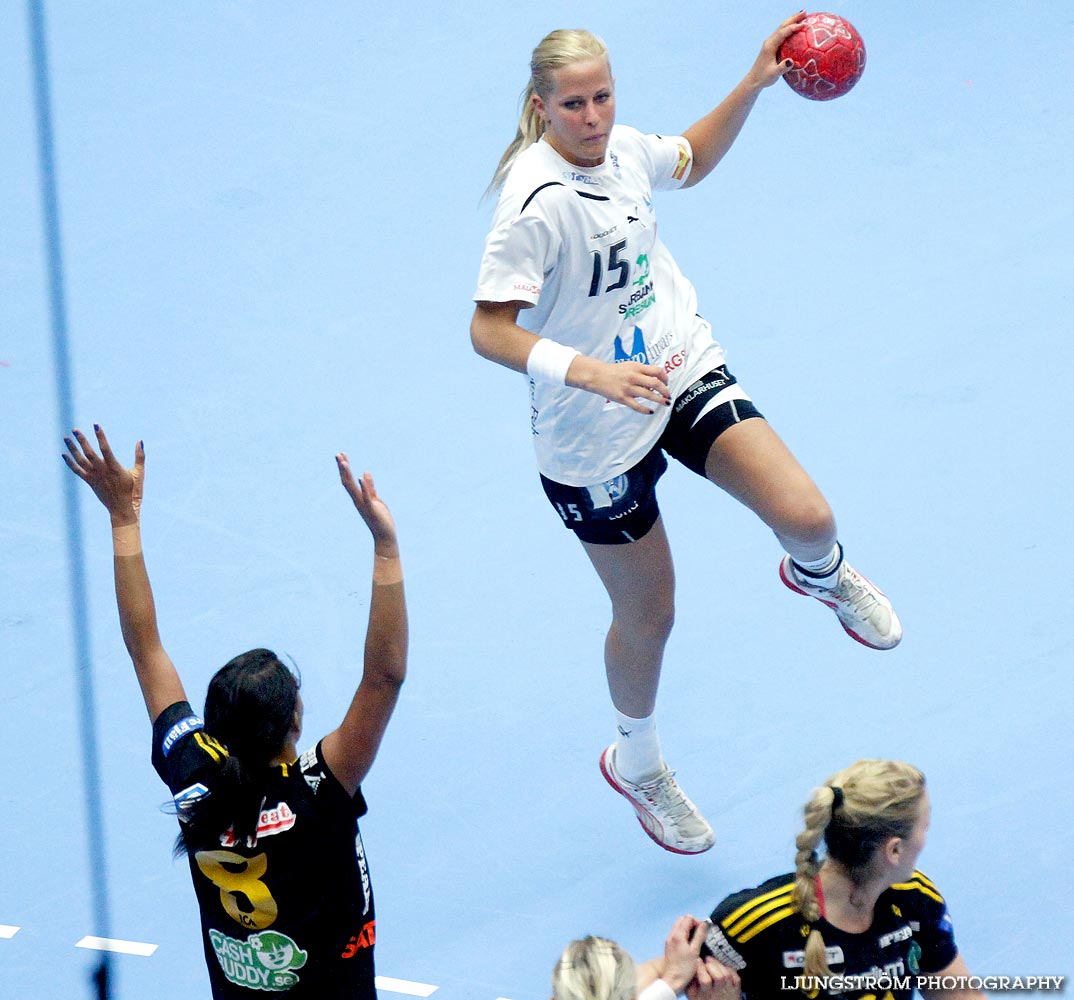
828 56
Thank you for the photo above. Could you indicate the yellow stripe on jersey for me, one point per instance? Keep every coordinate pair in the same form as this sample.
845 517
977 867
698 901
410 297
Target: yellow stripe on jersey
213 748
775 918
924 880
684 162
734 923
922 884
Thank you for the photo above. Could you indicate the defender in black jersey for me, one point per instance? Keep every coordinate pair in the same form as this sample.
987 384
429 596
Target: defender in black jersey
272 836
863 924
291 907
761 935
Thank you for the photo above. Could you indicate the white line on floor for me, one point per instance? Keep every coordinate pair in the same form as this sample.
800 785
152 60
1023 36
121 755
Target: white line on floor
404 986
113 944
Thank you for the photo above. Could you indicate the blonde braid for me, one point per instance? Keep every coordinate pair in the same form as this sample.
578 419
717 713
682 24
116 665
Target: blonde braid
818 814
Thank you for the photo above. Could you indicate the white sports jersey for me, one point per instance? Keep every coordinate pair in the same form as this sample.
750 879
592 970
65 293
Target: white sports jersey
580 245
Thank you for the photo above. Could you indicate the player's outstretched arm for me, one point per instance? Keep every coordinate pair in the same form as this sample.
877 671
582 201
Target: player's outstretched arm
349 751
712 136
120 491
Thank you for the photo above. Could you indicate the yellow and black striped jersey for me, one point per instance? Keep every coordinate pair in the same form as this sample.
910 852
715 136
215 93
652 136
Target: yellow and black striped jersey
759 933
291 908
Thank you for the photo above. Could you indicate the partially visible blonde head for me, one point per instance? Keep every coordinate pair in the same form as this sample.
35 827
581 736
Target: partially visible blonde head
881 799
594 968
557 49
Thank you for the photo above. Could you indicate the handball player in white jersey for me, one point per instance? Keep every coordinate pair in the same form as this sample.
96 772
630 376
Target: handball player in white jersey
577 291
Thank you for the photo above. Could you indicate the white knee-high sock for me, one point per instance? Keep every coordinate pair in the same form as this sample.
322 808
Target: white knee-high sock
637 750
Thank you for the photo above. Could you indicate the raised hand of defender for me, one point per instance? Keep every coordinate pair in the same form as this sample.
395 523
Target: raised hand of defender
117 487
374 511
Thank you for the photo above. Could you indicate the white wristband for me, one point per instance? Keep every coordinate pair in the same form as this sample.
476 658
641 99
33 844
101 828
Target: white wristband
549 361
657 990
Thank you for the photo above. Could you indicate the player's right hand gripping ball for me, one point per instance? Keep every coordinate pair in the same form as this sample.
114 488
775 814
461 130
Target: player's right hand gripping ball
828 56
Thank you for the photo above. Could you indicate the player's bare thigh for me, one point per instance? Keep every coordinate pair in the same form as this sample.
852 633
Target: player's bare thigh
751 463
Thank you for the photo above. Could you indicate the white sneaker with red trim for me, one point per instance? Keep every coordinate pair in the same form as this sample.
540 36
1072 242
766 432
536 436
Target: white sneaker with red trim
664 811
861 607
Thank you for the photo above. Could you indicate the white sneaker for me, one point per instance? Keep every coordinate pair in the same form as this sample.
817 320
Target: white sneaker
861 607
664 812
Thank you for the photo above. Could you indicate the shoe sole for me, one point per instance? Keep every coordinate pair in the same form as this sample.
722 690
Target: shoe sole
637 815
835 607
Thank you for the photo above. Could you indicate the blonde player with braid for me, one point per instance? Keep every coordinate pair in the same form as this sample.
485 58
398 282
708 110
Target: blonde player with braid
862 922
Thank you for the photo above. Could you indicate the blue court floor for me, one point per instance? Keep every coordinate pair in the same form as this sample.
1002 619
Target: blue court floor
271 223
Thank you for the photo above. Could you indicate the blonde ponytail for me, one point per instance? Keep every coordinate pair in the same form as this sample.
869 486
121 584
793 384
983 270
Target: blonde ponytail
557 49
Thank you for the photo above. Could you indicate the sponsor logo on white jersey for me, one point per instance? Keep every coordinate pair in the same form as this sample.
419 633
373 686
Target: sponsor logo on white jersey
637 352
644 297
